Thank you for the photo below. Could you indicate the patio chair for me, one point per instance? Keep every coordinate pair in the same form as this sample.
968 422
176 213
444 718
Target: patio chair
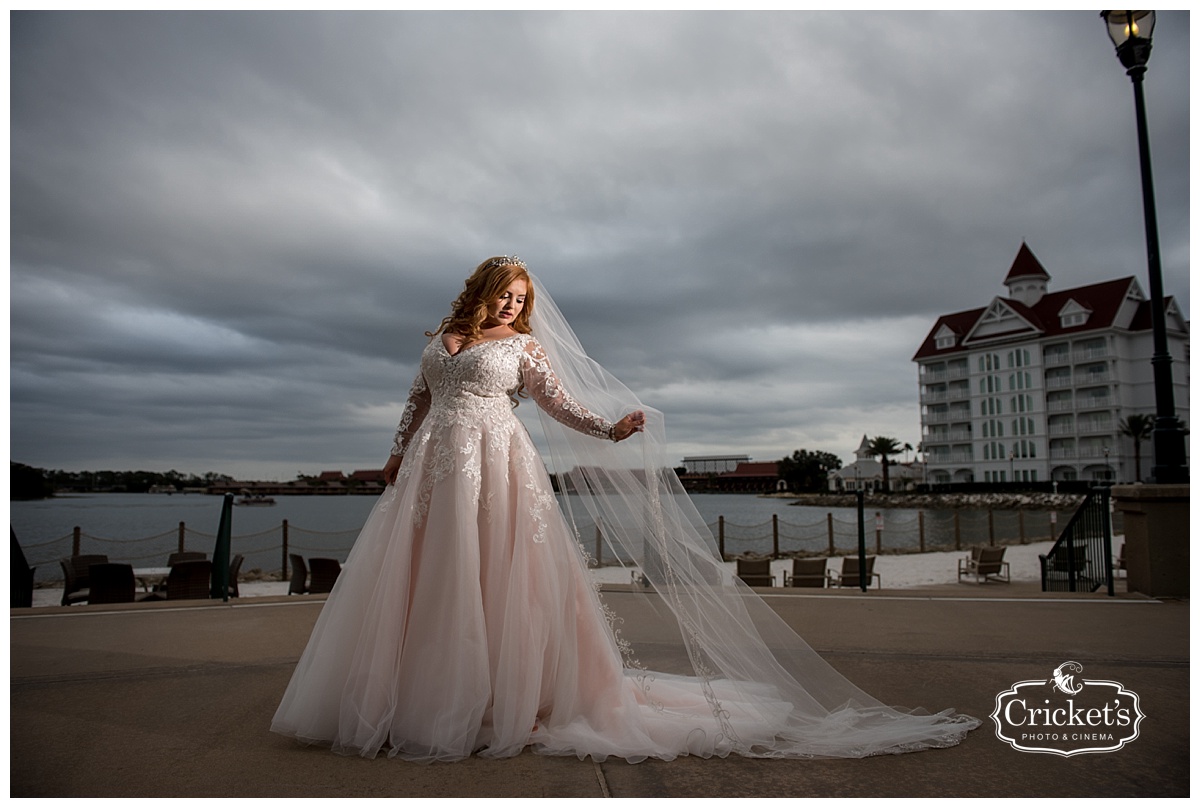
20 581
324 574
986 564
806 572
190 580
755 571
111 583
76 578
849 573
299 582
235 567
185 555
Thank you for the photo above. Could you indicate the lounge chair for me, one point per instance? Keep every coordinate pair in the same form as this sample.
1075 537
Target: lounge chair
849 573
235 567
20 581
111 583
324 574
299 582
806 572
755 571
190 580
76 577
986 564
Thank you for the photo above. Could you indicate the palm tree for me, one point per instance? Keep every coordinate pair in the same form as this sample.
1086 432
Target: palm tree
884 447
1139 427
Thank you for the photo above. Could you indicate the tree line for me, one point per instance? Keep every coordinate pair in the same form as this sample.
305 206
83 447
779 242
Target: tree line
28 482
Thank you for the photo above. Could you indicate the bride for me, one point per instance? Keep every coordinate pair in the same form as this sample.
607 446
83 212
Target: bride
465 620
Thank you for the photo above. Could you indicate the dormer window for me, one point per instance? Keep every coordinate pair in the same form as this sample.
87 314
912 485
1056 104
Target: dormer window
945 338
1073 314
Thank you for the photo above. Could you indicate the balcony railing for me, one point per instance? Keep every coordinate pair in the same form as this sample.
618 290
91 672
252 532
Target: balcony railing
1057 382
1089 354
1061 429
1060 406
1062 454
1093 378
1056 357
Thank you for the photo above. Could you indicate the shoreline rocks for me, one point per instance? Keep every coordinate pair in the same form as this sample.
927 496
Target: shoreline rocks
1007 502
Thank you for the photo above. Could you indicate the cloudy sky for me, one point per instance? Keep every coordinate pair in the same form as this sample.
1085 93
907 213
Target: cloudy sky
230 230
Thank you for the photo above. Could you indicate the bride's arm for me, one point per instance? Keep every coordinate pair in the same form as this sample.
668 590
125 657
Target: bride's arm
410 421
548 392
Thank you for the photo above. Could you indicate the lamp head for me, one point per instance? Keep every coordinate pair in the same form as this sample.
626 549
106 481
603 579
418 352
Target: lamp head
1130 32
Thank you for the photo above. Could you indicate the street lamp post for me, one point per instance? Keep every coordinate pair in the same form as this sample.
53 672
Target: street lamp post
1130 32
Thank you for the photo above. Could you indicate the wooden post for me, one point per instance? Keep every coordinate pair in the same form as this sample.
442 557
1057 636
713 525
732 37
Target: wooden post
921 529
829 522
991 527
182 533
721 535
75 536
1021 525
878 533
774 535
957 531
285 550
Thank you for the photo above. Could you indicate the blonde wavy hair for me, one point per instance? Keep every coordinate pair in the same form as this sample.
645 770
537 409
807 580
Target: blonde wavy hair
490 280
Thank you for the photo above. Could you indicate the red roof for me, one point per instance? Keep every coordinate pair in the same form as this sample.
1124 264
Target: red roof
1103 300
331 476
1026 265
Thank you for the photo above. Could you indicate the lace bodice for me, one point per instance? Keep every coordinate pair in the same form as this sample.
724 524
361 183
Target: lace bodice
480 379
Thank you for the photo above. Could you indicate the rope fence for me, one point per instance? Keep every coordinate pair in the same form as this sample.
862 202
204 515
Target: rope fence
893 533
268 550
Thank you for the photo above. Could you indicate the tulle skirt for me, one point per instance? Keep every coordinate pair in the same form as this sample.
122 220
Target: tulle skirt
465 622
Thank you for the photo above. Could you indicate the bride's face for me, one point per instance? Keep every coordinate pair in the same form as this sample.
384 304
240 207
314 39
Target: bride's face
505 309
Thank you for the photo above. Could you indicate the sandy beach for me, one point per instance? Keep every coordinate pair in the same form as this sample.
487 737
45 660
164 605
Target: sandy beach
895 571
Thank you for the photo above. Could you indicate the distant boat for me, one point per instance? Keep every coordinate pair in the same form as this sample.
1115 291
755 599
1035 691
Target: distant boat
254 499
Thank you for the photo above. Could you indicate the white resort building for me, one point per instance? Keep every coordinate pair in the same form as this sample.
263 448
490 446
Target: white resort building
866 473
1033 386
713 464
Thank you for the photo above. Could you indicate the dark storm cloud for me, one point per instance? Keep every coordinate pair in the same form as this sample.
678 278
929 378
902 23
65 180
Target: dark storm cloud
229 230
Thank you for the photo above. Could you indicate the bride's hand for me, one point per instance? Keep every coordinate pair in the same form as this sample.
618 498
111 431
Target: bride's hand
631 423
391 469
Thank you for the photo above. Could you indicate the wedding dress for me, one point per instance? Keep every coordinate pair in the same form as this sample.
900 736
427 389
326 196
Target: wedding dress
464 620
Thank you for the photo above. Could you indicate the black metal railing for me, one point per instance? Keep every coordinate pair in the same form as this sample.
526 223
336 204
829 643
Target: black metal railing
1081 559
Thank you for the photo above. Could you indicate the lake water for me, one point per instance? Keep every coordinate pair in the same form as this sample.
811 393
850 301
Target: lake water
142 529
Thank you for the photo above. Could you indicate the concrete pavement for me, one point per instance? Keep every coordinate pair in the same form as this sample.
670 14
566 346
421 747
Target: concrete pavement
174 700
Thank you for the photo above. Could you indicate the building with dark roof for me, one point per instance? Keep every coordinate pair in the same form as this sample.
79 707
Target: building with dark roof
1033 386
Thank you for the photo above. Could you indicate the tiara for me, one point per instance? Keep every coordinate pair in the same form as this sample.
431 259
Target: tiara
506 261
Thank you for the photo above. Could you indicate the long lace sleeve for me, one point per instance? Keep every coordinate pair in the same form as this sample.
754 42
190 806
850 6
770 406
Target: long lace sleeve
414 413
548 392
